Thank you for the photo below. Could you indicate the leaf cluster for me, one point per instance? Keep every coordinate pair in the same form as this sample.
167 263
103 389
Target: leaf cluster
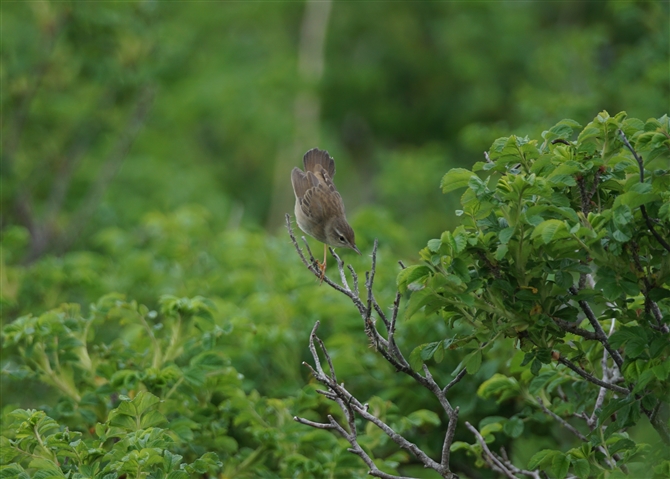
557 250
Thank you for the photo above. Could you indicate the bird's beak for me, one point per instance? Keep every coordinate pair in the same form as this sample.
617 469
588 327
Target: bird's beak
355 249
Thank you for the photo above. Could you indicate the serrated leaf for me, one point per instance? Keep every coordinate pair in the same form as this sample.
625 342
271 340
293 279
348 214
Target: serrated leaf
434 245
581 467
145 401
560 465
152 419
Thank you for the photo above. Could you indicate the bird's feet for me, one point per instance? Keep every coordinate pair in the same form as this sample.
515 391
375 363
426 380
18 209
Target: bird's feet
322 267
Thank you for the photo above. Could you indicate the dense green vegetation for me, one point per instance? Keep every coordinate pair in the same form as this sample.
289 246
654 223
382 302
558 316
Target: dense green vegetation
155 313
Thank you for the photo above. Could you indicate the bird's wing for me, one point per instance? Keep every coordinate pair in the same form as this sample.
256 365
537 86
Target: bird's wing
312 202
302 182
316 159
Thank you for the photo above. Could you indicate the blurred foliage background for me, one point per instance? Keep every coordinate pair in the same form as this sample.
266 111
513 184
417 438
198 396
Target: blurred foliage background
146 150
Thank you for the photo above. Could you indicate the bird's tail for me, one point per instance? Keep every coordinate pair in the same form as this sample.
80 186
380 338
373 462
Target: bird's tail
316 159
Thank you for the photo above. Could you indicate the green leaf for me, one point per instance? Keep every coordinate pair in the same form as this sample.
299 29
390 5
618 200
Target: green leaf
460 237
473 361
633 199
501 252
423 417
458 445
454 179
427 350
505 234
550 230
560 464
412 274
514 427
581 467
439 353
434 245
489 429
542 458
418 300
145 401
664 211
151 419
415 360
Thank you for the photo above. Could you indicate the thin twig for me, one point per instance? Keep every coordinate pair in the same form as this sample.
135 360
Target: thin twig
488 456
449 438
355 278
340 267
593 379
391 330
453 382
570 327
563 422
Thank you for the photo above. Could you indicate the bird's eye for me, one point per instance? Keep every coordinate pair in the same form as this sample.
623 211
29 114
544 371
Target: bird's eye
342 239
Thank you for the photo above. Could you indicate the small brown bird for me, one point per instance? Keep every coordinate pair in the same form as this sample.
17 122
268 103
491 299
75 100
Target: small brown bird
319 209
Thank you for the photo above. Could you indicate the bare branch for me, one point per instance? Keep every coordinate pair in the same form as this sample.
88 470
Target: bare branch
449 438
325 353
316 425
340 267
350 405
355 278
602 337
570 327
640 164
593 379
563 422
391 330
491 459
388 348
505 460
454 381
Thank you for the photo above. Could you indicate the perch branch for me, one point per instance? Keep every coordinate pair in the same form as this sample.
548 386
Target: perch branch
388 349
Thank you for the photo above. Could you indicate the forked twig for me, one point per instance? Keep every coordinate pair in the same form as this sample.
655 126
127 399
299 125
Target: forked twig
388 348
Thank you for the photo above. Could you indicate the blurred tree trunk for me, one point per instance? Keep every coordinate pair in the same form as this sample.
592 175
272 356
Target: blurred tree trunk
306 107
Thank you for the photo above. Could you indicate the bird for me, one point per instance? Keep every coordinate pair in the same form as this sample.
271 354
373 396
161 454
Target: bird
319 209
